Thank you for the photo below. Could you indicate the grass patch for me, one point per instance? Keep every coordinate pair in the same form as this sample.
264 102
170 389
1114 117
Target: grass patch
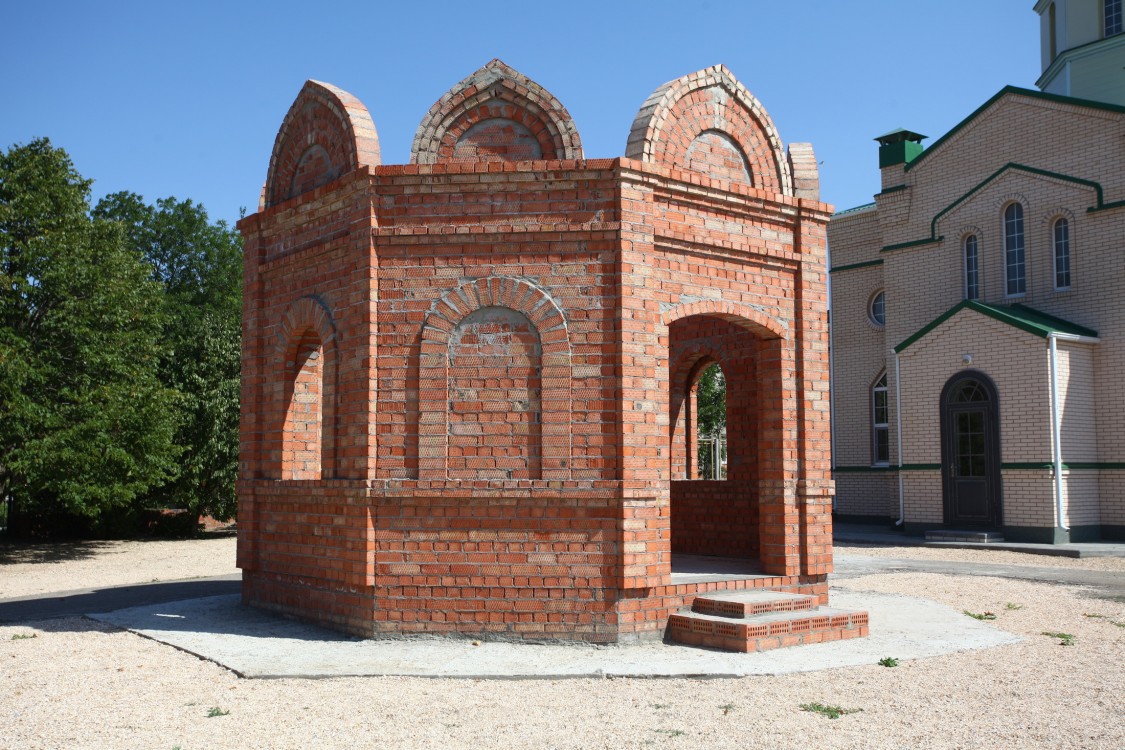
979 615
24 636
660 705
1065 639
832 712
670 732
727 708
216 711
1013 606
888 661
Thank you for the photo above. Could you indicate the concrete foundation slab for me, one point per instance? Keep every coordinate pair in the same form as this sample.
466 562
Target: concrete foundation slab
259 645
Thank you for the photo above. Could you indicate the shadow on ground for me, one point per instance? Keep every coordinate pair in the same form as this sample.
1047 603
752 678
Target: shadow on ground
76 603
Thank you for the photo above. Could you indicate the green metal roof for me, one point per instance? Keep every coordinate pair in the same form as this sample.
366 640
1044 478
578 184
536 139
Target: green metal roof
898 135
854 210
1019 316
1017 91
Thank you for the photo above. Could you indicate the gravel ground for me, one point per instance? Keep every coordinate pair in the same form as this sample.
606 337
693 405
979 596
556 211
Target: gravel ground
996 557
30 569
77 683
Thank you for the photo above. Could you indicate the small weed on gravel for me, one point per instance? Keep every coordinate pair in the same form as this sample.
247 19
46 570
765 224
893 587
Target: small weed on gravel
1065 639
888 661
1013 606
24 636
659 706
980 616
670 732
216 711
1091 615
832 712
727 708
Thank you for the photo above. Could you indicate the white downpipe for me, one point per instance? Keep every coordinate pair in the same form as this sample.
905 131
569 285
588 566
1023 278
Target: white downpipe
898 436
832 401
1056 429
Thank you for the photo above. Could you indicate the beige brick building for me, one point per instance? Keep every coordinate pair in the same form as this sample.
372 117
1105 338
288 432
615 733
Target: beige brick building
978 325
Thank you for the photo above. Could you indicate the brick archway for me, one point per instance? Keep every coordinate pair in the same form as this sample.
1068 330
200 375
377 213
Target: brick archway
683 375
729 517
304 392
550 324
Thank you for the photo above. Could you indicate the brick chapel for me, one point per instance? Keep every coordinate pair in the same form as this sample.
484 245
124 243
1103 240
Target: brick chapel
468 381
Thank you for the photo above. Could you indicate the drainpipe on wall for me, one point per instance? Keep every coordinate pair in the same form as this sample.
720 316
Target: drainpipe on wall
831 397
898 435
1056 430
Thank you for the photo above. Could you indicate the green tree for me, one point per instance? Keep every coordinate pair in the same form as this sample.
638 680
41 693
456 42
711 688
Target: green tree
711 404
85 424
199 264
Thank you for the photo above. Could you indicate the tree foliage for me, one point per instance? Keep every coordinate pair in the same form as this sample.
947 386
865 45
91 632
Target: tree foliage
85 423
199 265
711 401
119 351
711 423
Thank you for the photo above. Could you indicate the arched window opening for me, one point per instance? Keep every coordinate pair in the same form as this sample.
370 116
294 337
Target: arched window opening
972 267
880 423
1014 265
1062 254
711 423
303 436
877 309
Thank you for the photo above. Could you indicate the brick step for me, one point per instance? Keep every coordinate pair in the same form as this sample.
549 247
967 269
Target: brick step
953 535
768 630
747 603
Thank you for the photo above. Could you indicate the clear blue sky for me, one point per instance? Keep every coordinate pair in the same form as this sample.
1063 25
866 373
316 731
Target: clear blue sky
184 99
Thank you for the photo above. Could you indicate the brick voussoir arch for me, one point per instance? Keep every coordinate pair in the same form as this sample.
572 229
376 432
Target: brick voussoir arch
308 313
476 98
665 126
761 324
433 369
323 121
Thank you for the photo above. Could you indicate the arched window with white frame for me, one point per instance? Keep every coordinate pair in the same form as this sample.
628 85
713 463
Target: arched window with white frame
1015 266
971 253
877 309
1060 232
880 424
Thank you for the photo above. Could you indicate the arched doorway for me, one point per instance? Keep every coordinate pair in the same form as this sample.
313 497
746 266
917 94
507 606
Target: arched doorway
970 451
722 391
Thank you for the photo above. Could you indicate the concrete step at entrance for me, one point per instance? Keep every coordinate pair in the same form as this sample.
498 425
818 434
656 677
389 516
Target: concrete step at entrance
749 621
953 535
747 603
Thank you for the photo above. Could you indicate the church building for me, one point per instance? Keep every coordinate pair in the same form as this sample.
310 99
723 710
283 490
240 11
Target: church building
978 326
